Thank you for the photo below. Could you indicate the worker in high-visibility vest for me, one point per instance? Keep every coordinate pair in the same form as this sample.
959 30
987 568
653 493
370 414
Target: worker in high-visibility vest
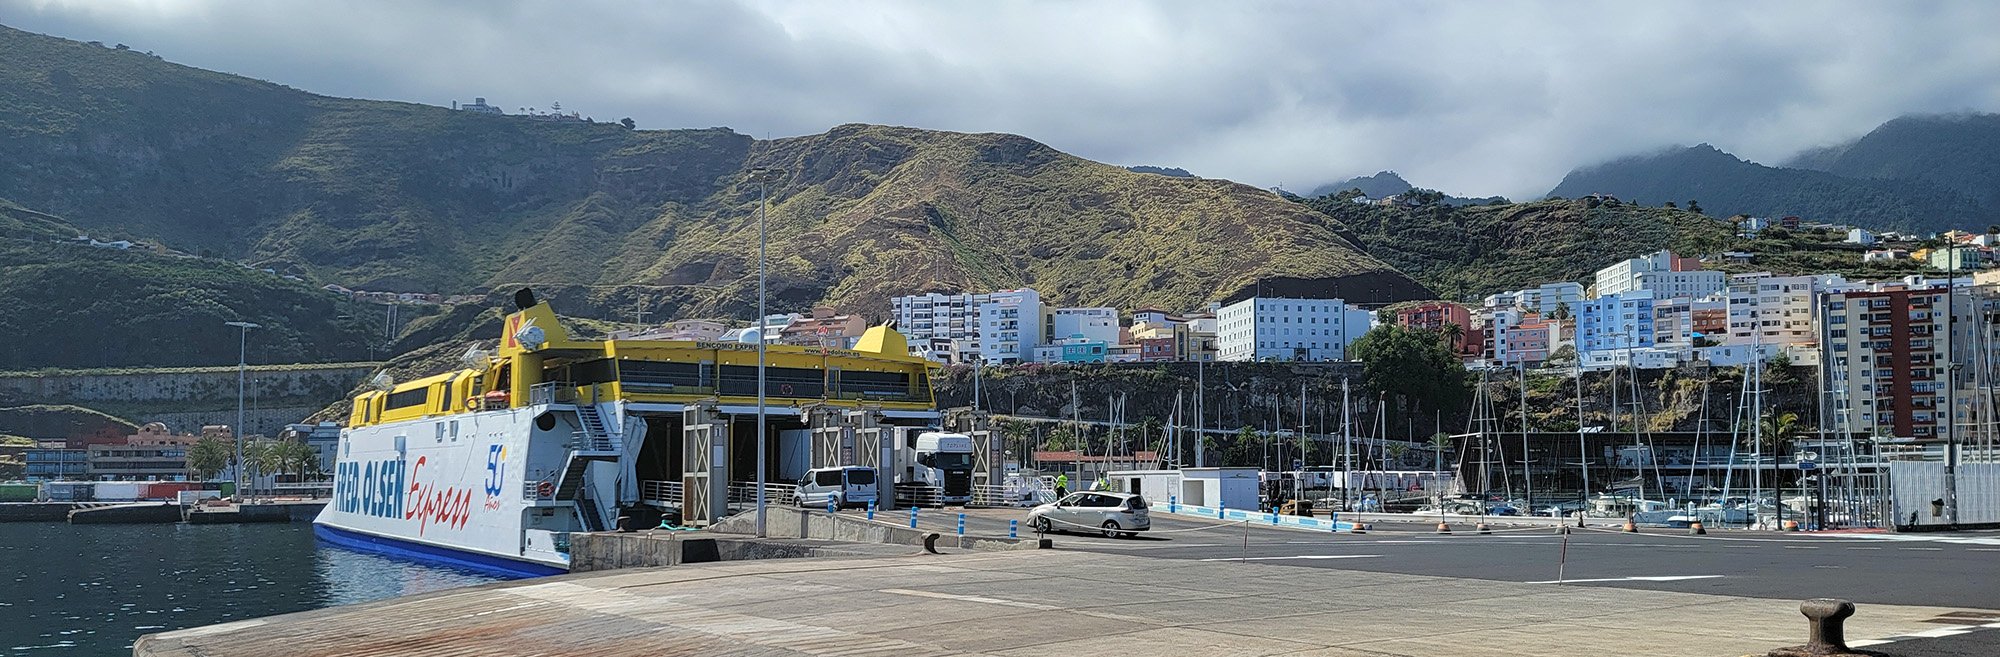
1062 485
1102 483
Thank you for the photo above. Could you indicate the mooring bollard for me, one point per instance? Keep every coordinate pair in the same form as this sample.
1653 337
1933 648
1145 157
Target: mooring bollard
1274 517
913 517
1173 504
961 524
871 509
832 504
1826 635
1221 508
1013 529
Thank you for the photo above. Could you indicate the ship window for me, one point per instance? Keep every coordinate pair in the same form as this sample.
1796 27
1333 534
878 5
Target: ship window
874 384
602 370
656 376
408 398
778 381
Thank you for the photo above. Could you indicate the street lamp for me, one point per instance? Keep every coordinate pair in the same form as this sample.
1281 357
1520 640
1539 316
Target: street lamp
242 366
763 177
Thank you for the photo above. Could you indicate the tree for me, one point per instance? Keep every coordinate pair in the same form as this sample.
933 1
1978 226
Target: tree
1396 452
1452 332
208 457
1670 204
1694 206
1562 356
1778 428
1778 369
1413 365
1561 312
628 123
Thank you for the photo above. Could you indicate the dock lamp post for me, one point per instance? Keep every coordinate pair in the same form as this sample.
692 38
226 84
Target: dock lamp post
763 177
242 366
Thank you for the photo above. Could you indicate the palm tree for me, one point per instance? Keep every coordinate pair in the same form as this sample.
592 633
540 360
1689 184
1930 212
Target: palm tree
1396 452
208 457
1778 428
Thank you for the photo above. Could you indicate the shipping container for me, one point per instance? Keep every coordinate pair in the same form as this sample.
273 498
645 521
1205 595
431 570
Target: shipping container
119 491
69 491
19 492
168 490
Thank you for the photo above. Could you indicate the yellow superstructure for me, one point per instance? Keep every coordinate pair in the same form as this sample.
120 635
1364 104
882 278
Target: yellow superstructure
538 362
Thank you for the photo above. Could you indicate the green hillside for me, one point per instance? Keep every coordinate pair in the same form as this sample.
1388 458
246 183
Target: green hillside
396 196
70 304
1728 186
1467 252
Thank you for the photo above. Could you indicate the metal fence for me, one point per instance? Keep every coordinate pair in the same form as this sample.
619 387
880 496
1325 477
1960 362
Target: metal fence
774 493
919 495
666 493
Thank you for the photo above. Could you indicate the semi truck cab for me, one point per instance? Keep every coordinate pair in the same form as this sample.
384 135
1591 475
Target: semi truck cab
937 458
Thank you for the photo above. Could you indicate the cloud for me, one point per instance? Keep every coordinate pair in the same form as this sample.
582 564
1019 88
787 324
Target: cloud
1473 98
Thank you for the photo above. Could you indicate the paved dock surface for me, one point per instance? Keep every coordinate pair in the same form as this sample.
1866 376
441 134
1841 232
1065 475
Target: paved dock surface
1071 603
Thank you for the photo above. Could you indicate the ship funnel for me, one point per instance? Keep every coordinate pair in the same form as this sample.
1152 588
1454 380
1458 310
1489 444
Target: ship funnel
524 299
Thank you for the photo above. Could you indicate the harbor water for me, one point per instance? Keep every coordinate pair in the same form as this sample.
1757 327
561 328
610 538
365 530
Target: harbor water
91 590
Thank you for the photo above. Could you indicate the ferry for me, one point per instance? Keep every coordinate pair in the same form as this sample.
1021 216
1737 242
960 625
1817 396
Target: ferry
493 466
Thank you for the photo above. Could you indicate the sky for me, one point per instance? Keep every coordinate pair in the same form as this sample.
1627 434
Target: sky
1472 98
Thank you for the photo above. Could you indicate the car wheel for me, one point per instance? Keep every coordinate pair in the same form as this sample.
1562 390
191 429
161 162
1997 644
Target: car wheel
1042 525
1110 529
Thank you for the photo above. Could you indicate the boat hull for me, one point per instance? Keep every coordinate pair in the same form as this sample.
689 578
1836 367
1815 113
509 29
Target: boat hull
451 489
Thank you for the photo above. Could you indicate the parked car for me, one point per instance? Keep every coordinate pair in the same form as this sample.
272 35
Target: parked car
1109 513
848 486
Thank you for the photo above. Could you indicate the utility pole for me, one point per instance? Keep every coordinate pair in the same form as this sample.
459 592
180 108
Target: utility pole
242 371
1200 422
763 176
1346 445
1526 482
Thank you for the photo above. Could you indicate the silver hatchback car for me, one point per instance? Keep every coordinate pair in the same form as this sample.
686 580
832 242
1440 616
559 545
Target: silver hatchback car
1108 513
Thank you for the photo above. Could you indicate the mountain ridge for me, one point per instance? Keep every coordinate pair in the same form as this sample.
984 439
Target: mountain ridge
399 196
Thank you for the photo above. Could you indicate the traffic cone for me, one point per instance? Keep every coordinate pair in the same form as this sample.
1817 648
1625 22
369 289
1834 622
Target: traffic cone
1695 529
1631 527
1481 528
1443 528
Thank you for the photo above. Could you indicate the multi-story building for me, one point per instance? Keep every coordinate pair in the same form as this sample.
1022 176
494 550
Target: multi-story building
1073 349
1681 319
1616 321
1276 328
926 319
1542 300
686 329
1010 325
1435 316
152 454
55 462
824 328
1887 358
323 438
1767 309
1663 274
1100 324
1526 342
1158 349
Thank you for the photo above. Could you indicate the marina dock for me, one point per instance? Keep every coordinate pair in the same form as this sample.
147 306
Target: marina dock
1026 603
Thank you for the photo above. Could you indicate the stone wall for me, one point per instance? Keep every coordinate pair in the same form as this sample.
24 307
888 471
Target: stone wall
185 399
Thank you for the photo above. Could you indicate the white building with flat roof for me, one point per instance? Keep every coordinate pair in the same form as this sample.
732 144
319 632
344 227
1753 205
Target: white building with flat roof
927 318
1663 274
1100 324
1275 328
1010 326
1542 300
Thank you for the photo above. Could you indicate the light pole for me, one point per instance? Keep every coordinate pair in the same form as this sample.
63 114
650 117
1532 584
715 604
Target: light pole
763 177
242 366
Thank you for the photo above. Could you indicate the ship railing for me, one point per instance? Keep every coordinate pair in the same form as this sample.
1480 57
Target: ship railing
585 441
991 495
660 492
552 392
774 493
919 495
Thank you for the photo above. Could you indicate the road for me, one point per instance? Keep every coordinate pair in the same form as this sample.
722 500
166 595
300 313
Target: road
1929 569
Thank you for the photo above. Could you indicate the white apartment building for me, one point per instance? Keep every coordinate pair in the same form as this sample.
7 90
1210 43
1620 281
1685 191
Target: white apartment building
1100 324
950 318
1542 300
1260 328
1663 274
1010 326
1678 320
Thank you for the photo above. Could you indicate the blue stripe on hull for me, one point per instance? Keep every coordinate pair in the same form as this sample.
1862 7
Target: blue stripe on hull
411 551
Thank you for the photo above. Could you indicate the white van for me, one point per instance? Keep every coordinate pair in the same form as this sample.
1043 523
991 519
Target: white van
851 486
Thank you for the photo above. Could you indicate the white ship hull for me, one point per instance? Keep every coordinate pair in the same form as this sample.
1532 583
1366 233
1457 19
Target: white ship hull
472 490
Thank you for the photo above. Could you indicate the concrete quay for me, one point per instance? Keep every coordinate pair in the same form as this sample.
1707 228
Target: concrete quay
258 511
1032 602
